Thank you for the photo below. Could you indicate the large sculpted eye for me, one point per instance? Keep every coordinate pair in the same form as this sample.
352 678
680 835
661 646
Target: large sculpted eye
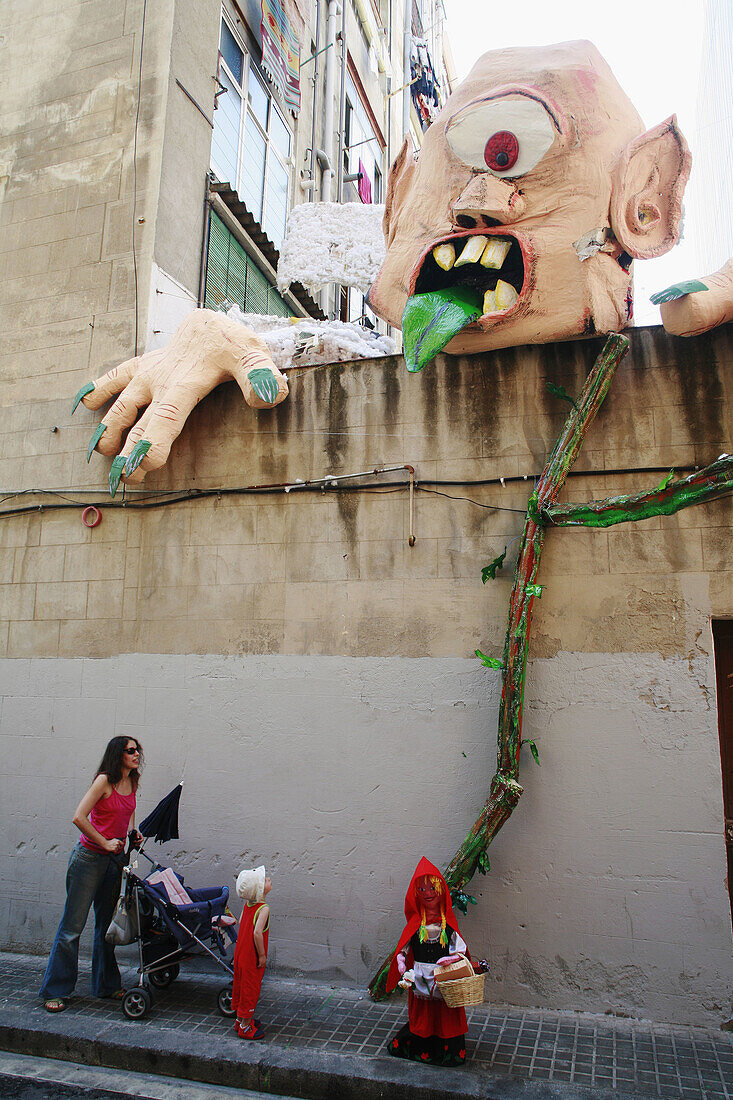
506 136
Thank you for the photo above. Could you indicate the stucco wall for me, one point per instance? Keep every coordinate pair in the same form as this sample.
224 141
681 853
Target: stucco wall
313 673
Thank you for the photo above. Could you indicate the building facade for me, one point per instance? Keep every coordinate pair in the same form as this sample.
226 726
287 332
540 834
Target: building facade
308 669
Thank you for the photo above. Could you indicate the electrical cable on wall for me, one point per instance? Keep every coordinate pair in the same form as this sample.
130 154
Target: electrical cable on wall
162 498
134 173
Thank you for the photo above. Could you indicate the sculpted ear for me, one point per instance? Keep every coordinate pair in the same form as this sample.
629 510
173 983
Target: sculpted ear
646 198
398 185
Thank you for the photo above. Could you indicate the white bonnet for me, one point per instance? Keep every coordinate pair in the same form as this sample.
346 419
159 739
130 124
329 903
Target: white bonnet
251 884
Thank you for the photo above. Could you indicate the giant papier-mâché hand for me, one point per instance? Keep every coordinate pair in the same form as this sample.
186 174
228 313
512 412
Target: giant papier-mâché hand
208 348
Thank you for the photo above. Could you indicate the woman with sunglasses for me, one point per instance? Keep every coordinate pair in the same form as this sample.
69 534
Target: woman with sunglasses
104 816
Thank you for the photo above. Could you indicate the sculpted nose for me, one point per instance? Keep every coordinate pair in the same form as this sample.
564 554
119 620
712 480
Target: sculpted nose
487 201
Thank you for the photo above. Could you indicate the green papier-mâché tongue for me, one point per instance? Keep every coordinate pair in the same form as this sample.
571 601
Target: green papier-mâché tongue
431 320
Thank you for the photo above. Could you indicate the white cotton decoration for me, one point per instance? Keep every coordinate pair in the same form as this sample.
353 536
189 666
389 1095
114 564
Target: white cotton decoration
330 242
301 342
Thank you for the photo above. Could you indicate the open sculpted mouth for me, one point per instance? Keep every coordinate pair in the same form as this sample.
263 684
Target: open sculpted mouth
461 279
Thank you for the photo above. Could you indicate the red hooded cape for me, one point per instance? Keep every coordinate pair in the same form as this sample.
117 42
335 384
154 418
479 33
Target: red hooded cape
412 913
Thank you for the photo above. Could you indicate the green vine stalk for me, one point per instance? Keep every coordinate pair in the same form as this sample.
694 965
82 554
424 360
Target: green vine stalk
543 511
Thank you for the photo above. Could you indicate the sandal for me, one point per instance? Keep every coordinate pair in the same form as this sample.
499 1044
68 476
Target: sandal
118 995
55 1004
250 1031
255 1021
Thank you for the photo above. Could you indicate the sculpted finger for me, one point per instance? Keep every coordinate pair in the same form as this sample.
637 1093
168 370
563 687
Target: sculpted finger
95 439
148 444
96 394
135 457
264 387
115 473
262 384
85 389
135 448
123 415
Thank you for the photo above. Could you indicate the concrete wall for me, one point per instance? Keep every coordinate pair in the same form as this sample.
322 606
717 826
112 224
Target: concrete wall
314 675
69 94
187 140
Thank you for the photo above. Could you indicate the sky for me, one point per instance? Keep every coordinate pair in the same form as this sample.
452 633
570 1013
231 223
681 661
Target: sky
654 50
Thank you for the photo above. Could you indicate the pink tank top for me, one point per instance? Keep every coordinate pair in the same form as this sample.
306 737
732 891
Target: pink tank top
110 817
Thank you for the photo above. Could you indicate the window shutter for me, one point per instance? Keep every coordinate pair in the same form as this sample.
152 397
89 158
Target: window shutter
217 264
233 277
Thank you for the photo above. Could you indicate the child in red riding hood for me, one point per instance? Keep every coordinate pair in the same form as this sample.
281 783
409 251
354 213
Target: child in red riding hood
434 1033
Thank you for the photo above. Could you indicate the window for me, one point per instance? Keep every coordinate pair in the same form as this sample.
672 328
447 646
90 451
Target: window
251 144
362 148
362 153
232 277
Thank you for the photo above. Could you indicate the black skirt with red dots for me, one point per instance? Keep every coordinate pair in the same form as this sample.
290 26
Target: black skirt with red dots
434 1034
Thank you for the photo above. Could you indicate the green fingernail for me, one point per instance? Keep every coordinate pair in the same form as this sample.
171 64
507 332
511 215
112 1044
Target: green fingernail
82 393
137 454
115 473
95 439
264 383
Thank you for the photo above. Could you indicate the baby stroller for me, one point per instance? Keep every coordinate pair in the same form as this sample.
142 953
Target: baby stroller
173 924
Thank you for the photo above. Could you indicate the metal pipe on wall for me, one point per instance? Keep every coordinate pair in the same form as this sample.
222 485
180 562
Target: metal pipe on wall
316 74
342 104
327 176
390 70
205 242
407 75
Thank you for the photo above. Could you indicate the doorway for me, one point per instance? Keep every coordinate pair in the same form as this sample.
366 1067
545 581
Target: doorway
723 646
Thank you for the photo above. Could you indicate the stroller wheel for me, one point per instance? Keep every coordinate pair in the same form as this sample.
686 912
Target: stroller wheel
224 1001
136 1002
162 978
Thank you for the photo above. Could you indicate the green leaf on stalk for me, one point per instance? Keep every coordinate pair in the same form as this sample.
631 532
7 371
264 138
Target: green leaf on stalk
533 750
561 392
490 569
535 590
490 662
677 290
664 482
461 900
484 863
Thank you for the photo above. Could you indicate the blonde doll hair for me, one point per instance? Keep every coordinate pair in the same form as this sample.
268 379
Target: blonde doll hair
437 884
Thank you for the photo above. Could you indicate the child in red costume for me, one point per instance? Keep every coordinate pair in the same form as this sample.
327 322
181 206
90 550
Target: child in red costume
434 1033
250 954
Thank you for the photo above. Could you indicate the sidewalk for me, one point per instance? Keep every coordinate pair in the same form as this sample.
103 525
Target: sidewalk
328 1041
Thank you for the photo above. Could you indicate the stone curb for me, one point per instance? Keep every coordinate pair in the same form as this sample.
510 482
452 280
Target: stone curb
313 1075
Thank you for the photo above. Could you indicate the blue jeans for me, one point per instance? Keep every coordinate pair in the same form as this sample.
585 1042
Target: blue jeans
92 878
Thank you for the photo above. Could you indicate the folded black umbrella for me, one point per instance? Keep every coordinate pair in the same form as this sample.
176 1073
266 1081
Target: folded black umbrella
162 822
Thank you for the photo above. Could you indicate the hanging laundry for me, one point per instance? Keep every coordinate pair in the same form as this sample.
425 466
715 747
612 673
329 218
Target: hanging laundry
425 86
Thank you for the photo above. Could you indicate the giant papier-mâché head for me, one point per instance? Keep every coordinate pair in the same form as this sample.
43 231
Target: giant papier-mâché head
540 152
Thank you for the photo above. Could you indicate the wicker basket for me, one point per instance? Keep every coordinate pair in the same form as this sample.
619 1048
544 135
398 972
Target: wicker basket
462 991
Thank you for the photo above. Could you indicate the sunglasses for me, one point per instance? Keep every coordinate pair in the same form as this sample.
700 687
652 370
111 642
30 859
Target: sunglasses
133 752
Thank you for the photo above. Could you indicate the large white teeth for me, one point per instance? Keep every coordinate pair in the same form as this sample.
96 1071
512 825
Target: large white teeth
495 253
503 298
445 255
506 295
490 302
472 251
